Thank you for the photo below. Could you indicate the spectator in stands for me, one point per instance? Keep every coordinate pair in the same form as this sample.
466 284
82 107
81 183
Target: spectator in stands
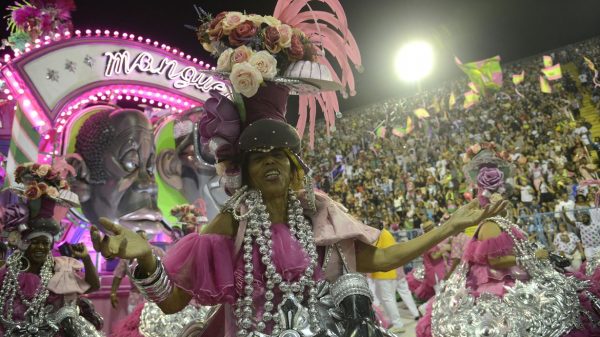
567 244
589 231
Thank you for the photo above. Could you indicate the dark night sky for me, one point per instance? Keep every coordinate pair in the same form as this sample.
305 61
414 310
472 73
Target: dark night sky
470 29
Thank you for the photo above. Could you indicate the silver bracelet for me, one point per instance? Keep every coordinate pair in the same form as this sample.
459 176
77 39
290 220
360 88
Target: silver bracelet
155 288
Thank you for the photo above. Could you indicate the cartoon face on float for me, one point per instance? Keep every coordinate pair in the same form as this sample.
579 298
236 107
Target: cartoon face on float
115 163
182 170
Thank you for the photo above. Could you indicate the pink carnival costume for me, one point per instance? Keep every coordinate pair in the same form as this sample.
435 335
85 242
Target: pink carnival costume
528 299
210 268
39 292
434 272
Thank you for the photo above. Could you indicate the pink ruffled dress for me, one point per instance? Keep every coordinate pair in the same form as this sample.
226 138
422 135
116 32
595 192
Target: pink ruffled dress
210 266
481 276
435 270
65 285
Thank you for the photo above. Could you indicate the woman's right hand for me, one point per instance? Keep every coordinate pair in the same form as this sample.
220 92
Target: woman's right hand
122 243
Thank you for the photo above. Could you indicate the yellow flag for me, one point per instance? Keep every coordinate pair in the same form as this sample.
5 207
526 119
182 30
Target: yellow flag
553 73
545 86
471 98
421 113
547 61
452 100
518 78
589 63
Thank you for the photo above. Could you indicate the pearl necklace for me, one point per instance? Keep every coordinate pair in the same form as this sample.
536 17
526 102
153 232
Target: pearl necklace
36 313
259 230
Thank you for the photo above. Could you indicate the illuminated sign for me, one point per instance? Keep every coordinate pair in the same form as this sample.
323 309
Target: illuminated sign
121 62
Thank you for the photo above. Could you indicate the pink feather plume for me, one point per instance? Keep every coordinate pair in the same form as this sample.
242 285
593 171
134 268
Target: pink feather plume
329 31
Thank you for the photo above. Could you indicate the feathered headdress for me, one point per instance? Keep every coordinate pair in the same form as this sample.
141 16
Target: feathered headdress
329 30
293 48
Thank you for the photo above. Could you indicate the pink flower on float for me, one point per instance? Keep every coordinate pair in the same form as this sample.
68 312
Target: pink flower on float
490 178
24 15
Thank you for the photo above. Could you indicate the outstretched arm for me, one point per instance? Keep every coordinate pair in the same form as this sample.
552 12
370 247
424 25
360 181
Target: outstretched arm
372 259
126 244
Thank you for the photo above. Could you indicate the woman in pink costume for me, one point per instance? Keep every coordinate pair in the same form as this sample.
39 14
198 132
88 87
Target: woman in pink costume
39 292
435 266
493 268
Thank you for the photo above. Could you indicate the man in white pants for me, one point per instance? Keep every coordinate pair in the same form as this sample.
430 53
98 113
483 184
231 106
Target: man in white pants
405 294
386 285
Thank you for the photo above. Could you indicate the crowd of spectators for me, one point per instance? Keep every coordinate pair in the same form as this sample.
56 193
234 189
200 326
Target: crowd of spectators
418 177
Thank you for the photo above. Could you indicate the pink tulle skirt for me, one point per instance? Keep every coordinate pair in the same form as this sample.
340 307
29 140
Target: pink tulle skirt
129 326
420 289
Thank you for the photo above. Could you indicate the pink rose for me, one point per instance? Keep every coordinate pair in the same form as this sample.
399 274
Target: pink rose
296 51
242 34
232 20
272 40
217 20
490 178
285 35
33 192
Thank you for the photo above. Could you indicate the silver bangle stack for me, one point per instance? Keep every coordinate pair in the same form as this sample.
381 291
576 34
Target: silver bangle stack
156 287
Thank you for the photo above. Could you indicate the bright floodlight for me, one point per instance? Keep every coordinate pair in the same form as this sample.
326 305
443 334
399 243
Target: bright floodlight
414 61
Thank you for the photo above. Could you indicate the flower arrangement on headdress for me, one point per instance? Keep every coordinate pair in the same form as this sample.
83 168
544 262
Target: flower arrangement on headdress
252 48
475 149
31 20
487 168
188 214
40 180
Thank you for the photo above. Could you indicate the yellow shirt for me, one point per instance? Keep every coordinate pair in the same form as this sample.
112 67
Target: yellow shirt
385 240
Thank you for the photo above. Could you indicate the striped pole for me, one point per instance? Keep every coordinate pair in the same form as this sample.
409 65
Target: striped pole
23 145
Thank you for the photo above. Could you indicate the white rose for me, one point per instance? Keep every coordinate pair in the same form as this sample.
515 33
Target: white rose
43 170
232 20
52 192
285 35
256 19
264 62
241 54
245 79
224 61
271 21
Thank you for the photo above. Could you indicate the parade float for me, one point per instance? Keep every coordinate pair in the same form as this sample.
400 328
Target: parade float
54 78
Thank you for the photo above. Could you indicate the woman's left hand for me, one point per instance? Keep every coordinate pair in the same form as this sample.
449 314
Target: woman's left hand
79 251
471 214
